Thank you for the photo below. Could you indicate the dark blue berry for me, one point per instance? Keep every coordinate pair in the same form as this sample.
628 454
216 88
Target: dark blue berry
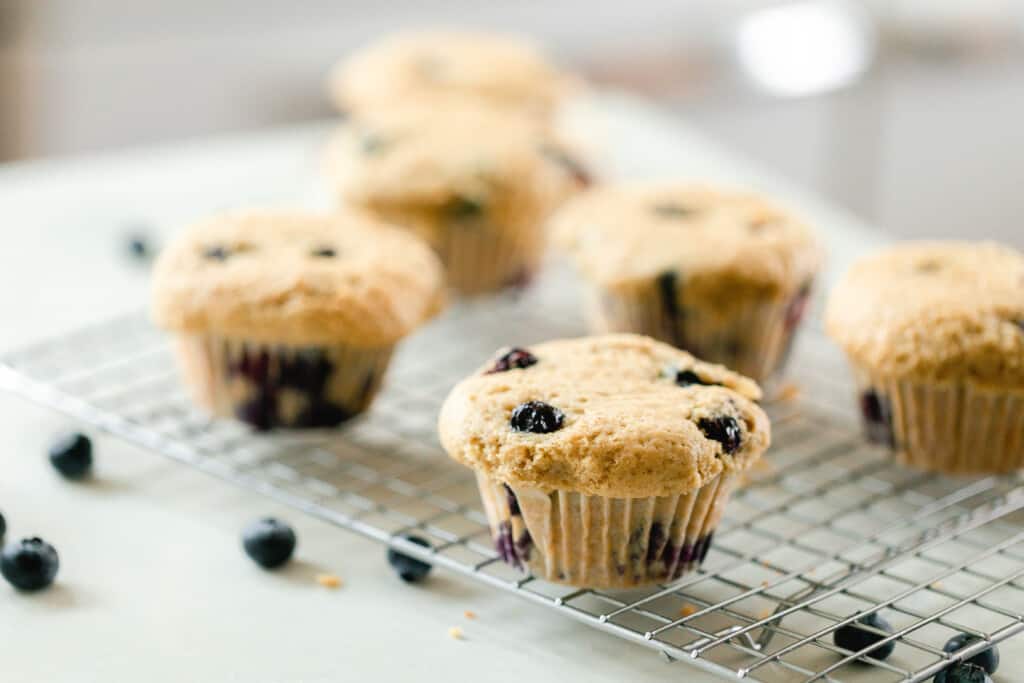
216 253
29 564
409 569
986 659
962 672
139 247
669 210
685 378
855 638
513 358
725 430
269 542
877 418
536 417
324 252
463 209
71 455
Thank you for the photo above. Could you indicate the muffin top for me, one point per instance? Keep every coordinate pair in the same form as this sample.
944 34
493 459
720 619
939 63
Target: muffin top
466 154
615 415
435 64
296 278
935 310
622 234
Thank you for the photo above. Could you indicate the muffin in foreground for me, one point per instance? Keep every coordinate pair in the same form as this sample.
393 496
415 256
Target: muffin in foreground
723 275
477 184
288 319
604 461
433 65
935 334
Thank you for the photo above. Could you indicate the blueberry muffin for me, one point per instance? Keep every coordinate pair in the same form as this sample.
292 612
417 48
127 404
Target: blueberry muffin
475 183
430 65
604 461
288 319
935 334
723 275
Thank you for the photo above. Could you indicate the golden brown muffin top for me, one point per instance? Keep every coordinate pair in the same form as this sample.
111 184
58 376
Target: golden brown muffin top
297 278
616 415
935 310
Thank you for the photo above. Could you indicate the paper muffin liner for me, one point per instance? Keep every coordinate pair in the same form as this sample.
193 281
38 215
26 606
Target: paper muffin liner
601 542
279 385
753 337
953 428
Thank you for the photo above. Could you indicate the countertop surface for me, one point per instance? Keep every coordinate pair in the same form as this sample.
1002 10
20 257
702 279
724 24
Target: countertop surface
153 583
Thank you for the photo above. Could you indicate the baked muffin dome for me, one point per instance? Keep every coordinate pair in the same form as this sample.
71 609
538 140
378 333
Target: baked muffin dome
635 418
297 277
430 65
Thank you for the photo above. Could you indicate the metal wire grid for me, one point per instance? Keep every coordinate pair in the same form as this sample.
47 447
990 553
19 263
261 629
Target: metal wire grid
828 530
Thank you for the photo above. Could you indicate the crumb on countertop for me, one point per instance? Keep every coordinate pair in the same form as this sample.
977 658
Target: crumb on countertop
469 614
455 633
328 580
790 391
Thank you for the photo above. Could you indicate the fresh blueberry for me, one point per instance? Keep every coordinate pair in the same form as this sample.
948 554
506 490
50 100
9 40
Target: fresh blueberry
324 252
71 455
986 659
409 569
536 417
669 210
269 542
463 209
139 247
29 564
855 638
216 253
685 378
962 672
513 358
725 430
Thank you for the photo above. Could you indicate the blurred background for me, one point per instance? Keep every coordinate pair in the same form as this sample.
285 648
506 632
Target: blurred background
909 112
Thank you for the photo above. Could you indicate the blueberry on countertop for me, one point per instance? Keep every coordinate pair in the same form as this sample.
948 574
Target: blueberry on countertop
725 430
409 569
855 638
30 564
71 455
139 246
536 417
962 672
269 542
987 659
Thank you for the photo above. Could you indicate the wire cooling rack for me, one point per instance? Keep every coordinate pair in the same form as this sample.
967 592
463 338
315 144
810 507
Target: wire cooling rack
827 530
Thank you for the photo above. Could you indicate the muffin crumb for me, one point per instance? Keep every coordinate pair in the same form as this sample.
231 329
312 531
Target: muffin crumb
469 614
328 581
455 633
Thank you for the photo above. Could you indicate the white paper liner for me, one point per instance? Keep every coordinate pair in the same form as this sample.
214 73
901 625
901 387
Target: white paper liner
275 385
954 428
601 542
